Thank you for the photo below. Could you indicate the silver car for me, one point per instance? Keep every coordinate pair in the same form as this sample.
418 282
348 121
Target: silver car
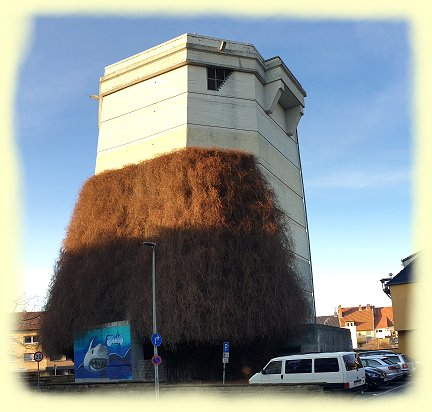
406 364
393 370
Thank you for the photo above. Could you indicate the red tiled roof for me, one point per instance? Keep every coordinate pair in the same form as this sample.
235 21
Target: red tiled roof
367 317
363 319
384 317
27 321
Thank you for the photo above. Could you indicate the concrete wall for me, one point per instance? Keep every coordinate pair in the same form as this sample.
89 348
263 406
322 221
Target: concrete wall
157 101
318 338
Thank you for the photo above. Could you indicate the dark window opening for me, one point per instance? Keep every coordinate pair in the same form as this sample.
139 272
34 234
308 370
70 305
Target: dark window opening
216 77
298 366
326 365
31 339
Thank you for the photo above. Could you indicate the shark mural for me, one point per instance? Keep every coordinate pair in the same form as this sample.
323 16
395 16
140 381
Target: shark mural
104 353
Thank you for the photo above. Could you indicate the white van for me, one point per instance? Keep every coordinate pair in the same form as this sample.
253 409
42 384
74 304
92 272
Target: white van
335 370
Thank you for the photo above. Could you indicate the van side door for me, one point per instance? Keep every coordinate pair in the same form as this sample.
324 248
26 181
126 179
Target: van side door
272 373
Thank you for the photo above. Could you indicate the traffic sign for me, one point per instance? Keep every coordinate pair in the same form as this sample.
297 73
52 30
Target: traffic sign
226 354
156 339
38 356
156 360
225 360
226 346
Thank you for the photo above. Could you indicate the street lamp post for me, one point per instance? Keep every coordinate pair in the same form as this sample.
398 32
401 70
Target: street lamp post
155 351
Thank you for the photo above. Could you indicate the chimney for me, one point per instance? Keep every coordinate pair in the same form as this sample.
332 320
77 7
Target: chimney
368 306
339 313
360 308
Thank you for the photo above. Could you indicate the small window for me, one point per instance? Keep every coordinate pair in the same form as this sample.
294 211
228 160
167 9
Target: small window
349 323
28 340
298 366
29 357
273 368
326 365
216 77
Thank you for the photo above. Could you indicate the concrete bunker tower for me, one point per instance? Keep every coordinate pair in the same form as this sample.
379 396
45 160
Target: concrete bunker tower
197 91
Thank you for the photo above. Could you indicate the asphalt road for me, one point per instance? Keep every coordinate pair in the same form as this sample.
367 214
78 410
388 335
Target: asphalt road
390 389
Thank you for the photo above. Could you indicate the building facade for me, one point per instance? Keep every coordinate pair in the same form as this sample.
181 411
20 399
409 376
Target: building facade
196 91
401 289
25 343
367 322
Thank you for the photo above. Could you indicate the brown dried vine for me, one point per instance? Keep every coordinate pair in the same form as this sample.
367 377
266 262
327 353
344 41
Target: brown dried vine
225 267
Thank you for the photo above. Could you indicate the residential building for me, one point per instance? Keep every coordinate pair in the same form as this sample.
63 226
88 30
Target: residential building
25 343
401 289
364 322
197 91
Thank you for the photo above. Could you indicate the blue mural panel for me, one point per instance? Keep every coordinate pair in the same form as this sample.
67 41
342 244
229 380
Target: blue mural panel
104 353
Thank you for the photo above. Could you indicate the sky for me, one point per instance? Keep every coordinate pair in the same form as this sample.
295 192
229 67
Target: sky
355 136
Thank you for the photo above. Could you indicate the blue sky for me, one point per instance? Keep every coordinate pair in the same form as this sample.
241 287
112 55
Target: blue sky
355 137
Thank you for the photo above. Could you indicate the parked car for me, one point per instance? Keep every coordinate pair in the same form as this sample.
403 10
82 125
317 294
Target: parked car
376 352
406 364
375 377
334 370
393 370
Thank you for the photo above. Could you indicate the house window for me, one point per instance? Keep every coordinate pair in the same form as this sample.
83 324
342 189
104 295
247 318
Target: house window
349 323
28 340
216 77
29 357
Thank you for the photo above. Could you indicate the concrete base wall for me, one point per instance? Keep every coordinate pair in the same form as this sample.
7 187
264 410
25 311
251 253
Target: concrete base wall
317 338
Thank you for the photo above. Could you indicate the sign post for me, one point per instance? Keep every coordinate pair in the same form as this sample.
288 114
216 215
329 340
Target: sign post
156 342
225 359
38 356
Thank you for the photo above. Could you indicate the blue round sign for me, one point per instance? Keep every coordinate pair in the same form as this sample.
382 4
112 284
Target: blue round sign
156 339
38 356
156 360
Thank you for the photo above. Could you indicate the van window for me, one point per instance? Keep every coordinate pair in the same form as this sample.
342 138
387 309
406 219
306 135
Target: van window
350 362
272 368
326 365
298 366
